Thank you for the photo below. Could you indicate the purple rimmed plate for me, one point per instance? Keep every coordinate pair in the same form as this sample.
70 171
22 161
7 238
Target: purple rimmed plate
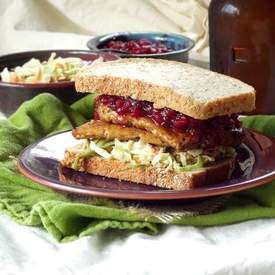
40 162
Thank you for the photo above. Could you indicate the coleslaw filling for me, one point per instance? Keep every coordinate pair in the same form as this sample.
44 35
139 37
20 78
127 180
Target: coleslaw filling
140 154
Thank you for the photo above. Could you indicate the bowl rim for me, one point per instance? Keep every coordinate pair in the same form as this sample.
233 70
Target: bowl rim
61 84
92 43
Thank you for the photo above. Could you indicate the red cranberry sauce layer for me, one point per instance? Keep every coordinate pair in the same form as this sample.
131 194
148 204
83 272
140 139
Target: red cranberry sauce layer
168 118
142 46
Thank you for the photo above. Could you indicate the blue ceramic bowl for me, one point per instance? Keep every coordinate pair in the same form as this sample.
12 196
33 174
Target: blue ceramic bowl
180 43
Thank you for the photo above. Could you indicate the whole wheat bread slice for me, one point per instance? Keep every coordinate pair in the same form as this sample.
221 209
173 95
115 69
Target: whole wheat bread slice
152 176
193 91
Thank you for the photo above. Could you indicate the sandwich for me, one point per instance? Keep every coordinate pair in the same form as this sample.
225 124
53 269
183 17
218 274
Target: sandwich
161 123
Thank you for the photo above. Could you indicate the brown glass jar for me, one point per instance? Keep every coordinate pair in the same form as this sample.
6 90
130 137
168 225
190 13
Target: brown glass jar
242 45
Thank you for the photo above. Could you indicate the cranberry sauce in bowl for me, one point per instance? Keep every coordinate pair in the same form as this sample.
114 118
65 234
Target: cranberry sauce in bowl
141 46
161 45
212 130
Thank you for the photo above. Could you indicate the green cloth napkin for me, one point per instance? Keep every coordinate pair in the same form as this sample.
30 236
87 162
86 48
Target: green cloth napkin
67 218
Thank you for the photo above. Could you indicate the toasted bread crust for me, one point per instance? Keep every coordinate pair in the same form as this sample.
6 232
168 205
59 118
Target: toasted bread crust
152 176
186 96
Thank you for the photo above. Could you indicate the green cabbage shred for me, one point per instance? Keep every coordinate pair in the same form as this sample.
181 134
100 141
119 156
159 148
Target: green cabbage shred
139 154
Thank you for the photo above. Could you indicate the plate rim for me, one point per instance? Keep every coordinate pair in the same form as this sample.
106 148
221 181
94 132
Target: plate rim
208 191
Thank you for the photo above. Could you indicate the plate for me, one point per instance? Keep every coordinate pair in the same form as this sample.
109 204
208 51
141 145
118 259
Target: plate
40 162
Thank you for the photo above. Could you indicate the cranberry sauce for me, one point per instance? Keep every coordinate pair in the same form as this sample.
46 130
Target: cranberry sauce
167 117
142 46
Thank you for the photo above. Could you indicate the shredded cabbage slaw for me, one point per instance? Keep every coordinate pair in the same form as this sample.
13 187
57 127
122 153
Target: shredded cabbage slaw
140 154
55 69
